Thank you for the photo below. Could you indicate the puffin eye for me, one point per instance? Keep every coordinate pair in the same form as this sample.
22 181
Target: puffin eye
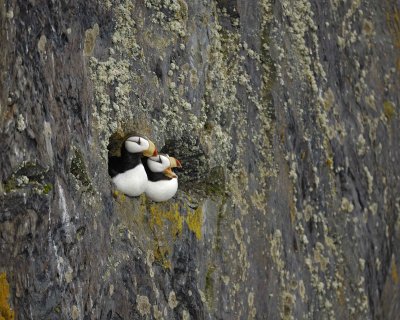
139 141
159 159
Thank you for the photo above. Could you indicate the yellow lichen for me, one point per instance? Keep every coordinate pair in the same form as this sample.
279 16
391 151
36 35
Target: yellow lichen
328 100
159 217
6 313
389 110
395 275
329 163
166 223
194 222
161 253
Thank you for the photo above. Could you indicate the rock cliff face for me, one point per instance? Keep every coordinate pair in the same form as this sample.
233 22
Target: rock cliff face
285 116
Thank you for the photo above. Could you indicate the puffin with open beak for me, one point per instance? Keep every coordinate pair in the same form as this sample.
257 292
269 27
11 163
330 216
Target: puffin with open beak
163 182
127 171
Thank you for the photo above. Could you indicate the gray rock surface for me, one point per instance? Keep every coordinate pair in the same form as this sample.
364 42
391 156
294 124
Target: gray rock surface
285 116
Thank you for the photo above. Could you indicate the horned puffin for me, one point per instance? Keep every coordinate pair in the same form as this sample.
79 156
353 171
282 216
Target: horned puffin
163 182
127 171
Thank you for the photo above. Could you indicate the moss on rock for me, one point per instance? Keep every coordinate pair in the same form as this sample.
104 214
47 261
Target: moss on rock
6 312
78 169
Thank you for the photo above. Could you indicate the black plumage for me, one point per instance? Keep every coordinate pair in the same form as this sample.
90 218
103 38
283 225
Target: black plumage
126 161
154 176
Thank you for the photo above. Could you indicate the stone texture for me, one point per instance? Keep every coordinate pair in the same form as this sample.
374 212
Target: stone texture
285 116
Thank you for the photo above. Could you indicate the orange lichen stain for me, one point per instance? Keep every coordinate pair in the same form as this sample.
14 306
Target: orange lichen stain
194 221
6 313
395 275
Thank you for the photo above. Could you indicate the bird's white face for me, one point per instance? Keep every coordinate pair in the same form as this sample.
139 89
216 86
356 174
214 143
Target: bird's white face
164 163
136 144
158 163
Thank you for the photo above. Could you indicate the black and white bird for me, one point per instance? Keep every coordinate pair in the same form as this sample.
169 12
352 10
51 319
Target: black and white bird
163 182
127 171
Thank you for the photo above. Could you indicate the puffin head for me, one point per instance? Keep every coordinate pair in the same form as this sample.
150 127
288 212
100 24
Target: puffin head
163 163
138 144
158 163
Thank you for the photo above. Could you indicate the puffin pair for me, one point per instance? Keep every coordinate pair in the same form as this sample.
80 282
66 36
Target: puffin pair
155 177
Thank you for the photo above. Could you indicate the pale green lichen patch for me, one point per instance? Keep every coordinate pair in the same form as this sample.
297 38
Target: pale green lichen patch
113 79
143 305
124 36
346 205
209 286
302 25
9 14
185 315
21 125
288 302
370 180
42 44
171 15
29 175
90 40
172 301
319 256
252 308
158 315
110 75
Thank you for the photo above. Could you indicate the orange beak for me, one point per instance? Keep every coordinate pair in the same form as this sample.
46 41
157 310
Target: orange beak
169 173
151 151
175 163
